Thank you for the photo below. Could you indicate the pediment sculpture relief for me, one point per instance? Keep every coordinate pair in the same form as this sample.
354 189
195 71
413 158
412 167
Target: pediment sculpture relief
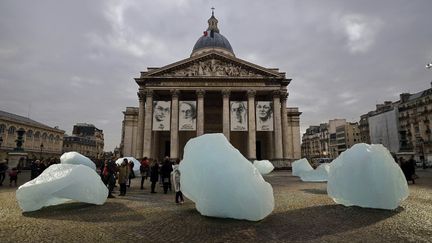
213 68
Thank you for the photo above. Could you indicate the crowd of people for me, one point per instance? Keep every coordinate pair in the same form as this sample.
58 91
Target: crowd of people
166 174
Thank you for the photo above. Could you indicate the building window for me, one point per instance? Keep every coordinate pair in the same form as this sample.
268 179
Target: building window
51 138
44 137
2 128
29 133
37 135
11 130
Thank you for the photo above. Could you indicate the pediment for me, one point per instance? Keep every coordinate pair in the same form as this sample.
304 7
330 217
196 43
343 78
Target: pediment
214 65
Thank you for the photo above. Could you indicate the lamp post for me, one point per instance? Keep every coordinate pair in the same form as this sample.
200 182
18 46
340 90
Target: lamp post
41 148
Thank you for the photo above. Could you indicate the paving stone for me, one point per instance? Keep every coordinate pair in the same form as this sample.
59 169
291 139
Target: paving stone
303 213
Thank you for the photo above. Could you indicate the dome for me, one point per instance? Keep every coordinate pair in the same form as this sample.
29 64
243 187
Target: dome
217 41
212 40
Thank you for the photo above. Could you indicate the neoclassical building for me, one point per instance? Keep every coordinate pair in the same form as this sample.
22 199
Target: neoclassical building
213 91
40 140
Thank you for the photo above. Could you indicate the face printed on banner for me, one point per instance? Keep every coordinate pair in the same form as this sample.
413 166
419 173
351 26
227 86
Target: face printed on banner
264 116
161 112
264 111
238 110
187 115
161 115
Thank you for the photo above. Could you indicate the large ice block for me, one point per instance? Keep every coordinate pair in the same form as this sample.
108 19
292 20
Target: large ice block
137 164
60 183
320 174
263 166
300 166
367 176
223 183
76 158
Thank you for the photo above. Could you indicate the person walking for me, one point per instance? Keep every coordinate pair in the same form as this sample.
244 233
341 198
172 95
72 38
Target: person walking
166 174
13 176
131 172
123 176
144 168
175 178
154 175
3 169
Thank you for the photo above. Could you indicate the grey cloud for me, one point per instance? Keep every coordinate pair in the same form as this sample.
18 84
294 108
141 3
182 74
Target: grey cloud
74 61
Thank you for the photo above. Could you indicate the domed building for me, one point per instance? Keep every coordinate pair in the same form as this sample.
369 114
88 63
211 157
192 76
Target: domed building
213 91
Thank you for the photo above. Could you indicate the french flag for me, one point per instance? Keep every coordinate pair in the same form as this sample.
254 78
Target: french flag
207 33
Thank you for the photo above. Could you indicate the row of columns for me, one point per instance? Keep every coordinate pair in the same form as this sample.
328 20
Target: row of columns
281 129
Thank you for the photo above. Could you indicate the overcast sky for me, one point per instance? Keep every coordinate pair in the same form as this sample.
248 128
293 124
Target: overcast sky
63 62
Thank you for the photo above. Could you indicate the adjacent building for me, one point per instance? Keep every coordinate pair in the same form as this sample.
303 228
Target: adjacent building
328 140
213 91
40 140
87 140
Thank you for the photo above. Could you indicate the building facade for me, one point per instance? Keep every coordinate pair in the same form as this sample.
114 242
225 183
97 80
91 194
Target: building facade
384 128
415 115
346 136
328 140
129 132
213 91
40 140
87 140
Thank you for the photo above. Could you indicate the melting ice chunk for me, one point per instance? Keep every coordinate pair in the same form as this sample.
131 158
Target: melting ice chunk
60 183
76 158
300 166
223 183
263 166
367 176
318 175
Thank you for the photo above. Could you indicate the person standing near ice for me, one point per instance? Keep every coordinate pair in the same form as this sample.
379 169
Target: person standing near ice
131 172
175 178
144 168
154 175
165 174
123 177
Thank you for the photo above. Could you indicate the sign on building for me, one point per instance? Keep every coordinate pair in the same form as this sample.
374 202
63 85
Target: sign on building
264 116
238 115
187 115
161 115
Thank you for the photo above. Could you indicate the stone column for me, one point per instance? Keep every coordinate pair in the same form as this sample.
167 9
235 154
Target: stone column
174 124
140 140
277 125
251 123
200 118
225 113
148 124
285 128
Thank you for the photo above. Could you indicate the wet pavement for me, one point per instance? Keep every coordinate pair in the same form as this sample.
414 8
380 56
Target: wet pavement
303 213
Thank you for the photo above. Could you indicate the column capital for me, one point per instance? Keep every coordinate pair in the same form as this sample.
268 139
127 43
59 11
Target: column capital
226 93
175 93
148 93
200 93
284 96
251 93
276 94
141 95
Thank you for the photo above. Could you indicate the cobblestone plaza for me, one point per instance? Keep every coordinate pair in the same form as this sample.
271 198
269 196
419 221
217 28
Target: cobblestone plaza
303 213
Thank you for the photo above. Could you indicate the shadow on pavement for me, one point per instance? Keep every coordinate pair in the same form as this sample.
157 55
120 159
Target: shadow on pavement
315 191
77 211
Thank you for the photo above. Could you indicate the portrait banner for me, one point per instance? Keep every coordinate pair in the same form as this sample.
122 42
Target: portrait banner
187 115
239 116
161 115
264 116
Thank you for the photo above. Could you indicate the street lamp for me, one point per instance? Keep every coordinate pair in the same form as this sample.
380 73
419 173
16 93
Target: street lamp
41 147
